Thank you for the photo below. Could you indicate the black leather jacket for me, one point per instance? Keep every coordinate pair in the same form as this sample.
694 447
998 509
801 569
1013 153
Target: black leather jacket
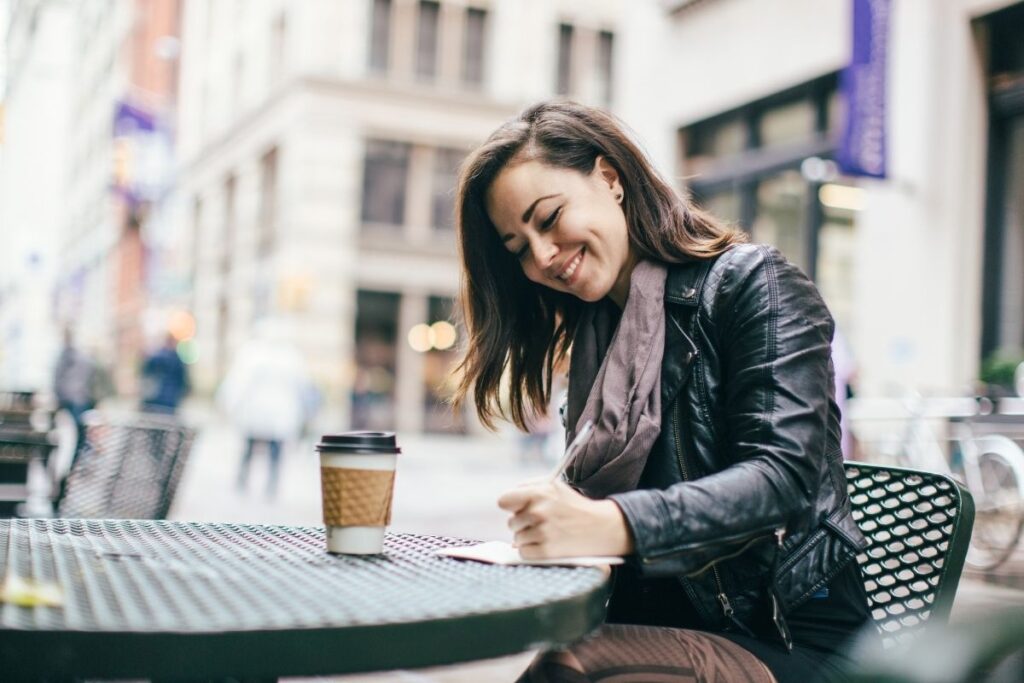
743 497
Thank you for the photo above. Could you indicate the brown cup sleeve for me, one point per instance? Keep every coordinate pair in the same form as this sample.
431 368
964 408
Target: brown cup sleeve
354 497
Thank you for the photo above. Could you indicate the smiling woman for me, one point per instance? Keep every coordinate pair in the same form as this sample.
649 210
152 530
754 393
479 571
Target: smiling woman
572 240
714 464
559 176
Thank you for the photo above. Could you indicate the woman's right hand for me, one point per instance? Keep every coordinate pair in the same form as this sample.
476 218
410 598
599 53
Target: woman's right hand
550 519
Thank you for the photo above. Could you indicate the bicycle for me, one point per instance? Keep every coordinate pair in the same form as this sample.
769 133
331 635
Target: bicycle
991 466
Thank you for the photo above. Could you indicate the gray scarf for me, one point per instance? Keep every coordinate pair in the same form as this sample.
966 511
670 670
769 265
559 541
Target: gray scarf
622 392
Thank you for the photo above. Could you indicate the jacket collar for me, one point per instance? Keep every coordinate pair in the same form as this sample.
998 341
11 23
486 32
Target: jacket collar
685 281
683 288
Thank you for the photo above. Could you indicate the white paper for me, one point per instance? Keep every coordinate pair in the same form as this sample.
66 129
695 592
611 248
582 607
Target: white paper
499 552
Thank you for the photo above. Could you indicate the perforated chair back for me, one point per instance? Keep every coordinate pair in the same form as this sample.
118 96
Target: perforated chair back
129 468
918 526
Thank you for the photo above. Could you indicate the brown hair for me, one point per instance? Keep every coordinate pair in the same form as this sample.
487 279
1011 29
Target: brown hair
517 324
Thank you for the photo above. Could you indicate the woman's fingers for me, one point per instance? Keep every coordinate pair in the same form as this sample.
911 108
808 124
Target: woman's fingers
530 539
514 500
521 521
523 495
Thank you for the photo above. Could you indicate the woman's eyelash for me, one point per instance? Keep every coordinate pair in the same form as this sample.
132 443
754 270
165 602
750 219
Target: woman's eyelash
550 220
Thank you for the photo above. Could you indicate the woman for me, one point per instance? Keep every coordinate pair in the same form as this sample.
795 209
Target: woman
715 463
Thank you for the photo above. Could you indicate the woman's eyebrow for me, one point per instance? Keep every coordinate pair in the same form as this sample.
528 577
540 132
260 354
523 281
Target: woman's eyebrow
529 210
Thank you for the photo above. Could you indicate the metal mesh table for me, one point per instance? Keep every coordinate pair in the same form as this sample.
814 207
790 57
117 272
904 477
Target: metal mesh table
180 600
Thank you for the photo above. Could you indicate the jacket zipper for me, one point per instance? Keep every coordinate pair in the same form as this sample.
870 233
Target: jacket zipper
778 619
676 416
723 599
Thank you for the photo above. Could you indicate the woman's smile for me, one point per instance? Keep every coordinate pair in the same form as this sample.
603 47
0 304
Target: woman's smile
570 271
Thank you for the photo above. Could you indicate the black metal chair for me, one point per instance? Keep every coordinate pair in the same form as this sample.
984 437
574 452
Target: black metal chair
918 525
24 440
18 450
129 467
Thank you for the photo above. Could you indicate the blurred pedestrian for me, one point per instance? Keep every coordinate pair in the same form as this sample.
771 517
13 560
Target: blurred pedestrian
79 383
164 379
268 395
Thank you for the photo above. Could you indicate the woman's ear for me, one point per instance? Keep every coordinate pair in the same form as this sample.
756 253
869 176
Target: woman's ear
609 175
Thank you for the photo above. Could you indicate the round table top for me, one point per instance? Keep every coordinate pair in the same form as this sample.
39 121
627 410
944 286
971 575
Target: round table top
175 599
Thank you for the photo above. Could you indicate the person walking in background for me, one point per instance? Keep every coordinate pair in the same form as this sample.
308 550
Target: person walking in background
164 379
79 384
268 395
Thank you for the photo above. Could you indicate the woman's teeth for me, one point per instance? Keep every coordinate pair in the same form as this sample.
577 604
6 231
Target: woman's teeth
572 268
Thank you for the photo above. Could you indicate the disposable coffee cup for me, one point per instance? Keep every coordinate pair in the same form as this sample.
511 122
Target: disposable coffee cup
357 478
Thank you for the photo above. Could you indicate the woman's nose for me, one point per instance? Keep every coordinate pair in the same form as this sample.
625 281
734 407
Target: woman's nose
544 252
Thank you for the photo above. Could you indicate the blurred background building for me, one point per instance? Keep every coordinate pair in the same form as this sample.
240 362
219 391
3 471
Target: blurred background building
922 267
198 166
319 144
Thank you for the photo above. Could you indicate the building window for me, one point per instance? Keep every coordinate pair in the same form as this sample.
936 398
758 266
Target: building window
277 47
766 167
446 173
228 233
788 122
267 226
426 40
376 352
605 43
780 216
385 177
563 78
473 61
438 363
380 36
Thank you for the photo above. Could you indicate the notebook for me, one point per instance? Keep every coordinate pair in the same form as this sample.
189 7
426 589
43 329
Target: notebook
500 552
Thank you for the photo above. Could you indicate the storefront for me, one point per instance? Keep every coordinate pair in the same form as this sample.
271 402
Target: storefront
1003 301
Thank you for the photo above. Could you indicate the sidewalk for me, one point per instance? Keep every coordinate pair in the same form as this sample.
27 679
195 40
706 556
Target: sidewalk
444 486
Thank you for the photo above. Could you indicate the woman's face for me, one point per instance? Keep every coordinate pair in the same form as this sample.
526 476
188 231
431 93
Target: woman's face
566 228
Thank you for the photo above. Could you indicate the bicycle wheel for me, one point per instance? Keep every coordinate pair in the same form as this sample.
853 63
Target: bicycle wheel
999 505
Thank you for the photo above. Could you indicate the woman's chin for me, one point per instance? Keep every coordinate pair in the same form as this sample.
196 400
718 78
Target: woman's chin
589 295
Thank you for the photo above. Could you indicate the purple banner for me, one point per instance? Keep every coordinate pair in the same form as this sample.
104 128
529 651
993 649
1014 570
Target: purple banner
862 148
129 119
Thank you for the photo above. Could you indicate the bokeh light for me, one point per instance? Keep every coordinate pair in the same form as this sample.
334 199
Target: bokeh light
188 352
421 337
444 334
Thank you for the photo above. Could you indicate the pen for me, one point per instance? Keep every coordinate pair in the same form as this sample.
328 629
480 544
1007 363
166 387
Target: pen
577 443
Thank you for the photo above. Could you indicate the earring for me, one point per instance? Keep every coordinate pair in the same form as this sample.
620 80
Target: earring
618 198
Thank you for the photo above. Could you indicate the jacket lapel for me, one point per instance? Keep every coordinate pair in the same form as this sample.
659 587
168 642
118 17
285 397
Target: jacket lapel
682 298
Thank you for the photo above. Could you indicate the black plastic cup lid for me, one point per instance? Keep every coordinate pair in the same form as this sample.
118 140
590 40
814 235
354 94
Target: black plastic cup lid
379 442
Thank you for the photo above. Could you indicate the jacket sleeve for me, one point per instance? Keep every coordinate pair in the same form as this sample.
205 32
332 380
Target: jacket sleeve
773 333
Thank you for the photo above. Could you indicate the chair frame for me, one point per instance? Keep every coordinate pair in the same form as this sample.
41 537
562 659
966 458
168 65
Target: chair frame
131 467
